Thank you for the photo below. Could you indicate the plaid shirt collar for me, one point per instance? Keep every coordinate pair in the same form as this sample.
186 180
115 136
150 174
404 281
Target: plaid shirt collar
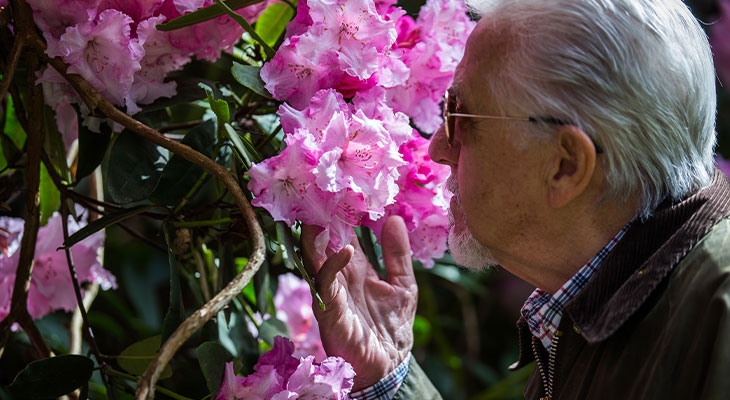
543 311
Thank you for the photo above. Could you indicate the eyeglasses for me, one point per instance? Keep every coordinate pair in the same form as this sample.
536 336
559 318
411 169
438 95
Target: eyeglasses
449 113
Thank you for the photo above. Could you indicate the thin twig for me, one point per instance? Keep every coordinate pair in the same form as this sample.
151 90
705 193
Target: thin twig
31 215
18 46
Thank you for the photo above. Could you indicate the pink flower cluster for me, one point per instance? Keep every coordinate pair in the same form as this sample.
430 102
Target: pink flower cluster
115 46
279 376
354 73
51 288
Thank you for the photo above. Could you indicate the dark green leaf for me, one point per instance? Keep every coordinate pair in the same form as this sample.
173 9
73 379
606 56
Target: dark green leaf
204 14
52 377
180 175
92 148
133 168
135 358
234 334
54 145
103 222
250 77
271 24
212 358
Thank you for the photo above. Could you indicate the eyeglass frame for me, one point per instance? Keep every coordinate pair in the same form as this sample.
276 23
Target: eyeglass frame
450 122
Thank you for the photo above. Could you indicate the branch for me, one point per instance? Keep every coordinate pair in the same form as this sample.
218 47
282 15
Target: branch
31 215
24 26
99 105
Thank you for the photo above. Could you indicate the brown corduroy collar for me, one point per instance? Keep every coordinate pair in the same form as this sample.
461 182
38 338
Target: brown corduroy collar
644 257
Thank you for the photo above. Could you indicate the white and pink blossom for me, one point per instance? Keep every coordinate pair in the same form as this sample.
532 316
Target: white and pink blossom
115 46
280 376
51 288
354 75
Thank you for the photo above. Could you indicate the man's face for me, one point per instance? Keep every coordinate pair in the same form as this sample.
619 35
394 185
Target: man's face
497 174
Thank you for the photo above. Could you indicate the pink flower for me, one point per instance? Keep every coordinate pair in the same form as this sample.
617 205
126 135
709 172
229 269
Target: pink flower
51 288
285 186
115 46
339 166
293 301
421 201
430 47
353 72
719 34
279 376
102 52
339 44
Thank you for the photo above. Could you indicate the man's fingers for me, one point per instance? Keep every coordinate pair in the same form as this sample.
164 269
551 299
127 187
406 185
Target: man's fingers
327 275
396 251
312 261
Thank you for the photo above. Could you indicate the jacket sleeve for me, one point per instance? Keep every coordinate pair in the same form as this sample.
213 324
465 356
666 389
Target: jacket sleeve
417 385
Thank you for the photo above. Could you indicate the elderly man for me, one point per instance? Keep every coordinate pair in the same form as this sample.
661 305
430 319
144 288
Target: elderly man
580 137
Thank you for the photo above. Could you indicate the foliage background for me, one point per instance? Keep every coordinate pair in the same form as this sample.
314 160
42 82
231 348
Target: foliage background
465 335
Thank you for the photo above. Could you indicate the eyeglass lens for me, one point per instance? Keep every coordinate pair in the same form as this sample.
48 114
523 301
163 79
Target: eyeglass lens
449 120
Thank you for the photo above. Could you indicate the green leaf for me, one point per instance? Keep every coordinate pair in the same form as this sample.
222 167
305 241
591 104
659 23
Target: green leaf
247 27
12 135
52 377
219 106
245 150
271 24
271 328
133 168
92 149
250 77
135 358
50 197
103 222
12 128
234 335
180 175
212 358
204 14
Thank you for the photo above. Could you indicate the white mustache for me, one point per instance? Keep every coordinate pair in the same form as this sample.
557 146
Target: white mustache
453 187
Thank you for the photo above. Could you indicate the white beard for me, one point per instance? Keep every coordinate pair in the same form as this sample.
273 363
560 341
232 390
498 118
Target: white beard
463 246
469 252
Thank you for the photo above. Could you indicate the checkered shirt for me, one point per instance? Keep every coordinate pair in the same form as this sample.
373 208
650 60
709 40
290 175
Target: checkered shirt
543 311
386 388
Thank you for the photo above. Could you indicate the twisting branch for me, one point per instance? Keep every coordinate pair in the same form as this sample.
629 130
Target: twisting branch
99 105
19 44
31 215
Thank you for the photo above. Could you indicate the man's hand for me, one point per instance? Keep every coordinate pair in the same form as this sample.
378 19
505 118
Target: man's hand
368 321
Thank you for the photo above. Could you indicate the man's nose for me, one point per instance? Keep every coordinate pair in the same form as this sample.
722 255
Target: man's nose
439 149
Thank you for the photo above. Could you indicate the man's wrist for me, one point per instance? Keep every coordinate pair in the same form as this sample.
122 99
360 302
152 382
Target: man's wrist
386 388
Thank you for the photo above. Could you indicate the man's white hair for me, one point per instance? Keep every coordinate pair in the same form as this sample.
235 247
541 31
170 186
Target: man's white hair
637 76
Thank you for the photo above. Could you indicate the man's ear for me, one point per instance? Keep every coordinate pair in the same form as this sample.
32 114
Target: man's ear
572 168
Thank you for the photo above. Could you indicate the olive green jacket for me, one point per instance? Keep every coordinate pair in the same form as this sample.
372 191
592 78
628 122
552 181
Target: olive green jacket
653 323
